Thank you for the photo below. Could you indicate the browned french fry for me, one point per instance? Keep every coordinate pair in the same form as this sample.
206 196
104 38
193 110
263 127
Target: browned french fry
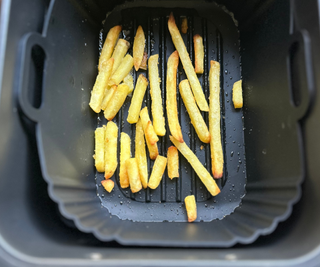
155 91
128 80
237 94
173 162
108 185
200 170
108 93
99 149
184 25
100 86
191 207
214 120
109 44
116 102
110 150
157 172
199 53
141 155
122 71
144 61
138 47
187 64
193 111
137 99
150 134
119 53
172 108
133 173
125 153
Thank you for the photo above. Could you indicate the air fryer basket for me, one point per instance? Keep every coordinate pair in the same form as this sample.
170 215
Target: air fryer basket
65 126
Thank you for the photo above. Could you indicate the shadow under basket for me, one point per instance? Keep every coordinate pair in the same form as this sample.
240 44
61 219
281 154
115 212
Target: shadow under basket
262 143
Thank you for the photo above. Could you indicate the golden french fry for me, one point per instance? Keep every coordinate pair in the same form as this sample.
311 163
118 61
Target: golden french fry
108 93
191 207
150 134
122 71
141 155
108 185
125 153
116 102
187 64
136 102
184 25
128 80
109 44
172 108
138 47
99 149
173 162
119 53
155 91
214 120
157 172
133 173
144 61
110 149
199 53
200 170
237 94
100 86
193 111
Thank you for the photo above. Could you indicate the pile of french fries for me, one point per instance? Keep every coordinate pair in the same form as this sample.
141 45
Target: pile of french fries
112 86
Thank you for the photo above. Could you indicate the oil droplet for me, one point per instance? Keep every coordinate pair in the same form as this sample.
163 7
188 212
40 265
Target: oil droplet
226 71
230 78
121 202
226 93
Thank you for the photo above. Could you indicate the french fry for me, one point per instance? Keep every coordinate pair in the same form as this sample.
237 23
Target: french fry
125 153
184 25
214 120
108 93
144 61
173 162
109 44
155 91
138 47
237 94
133 173
128 80
141 155
119 53
157 172
199 53
148 129
193 111
116 102
172 108
100 86
187 64
136 102
122 71
200 170
99 149
110 149
108 185
191 207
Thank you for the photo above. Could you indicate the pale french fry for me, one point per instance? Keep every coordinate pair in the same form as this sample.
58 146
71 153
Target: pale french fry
100 86
136 101
191 207
200 170
237 94
122 71
128 80
108 93
155 91
108 185
99 149
158 169
125 153
110 149
153 149
184 25
138 47
198 53
141 155
193 111
172 108
109 44
214 120
173 162
119 53
187 64
116 102
144 61
133 173
150 134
